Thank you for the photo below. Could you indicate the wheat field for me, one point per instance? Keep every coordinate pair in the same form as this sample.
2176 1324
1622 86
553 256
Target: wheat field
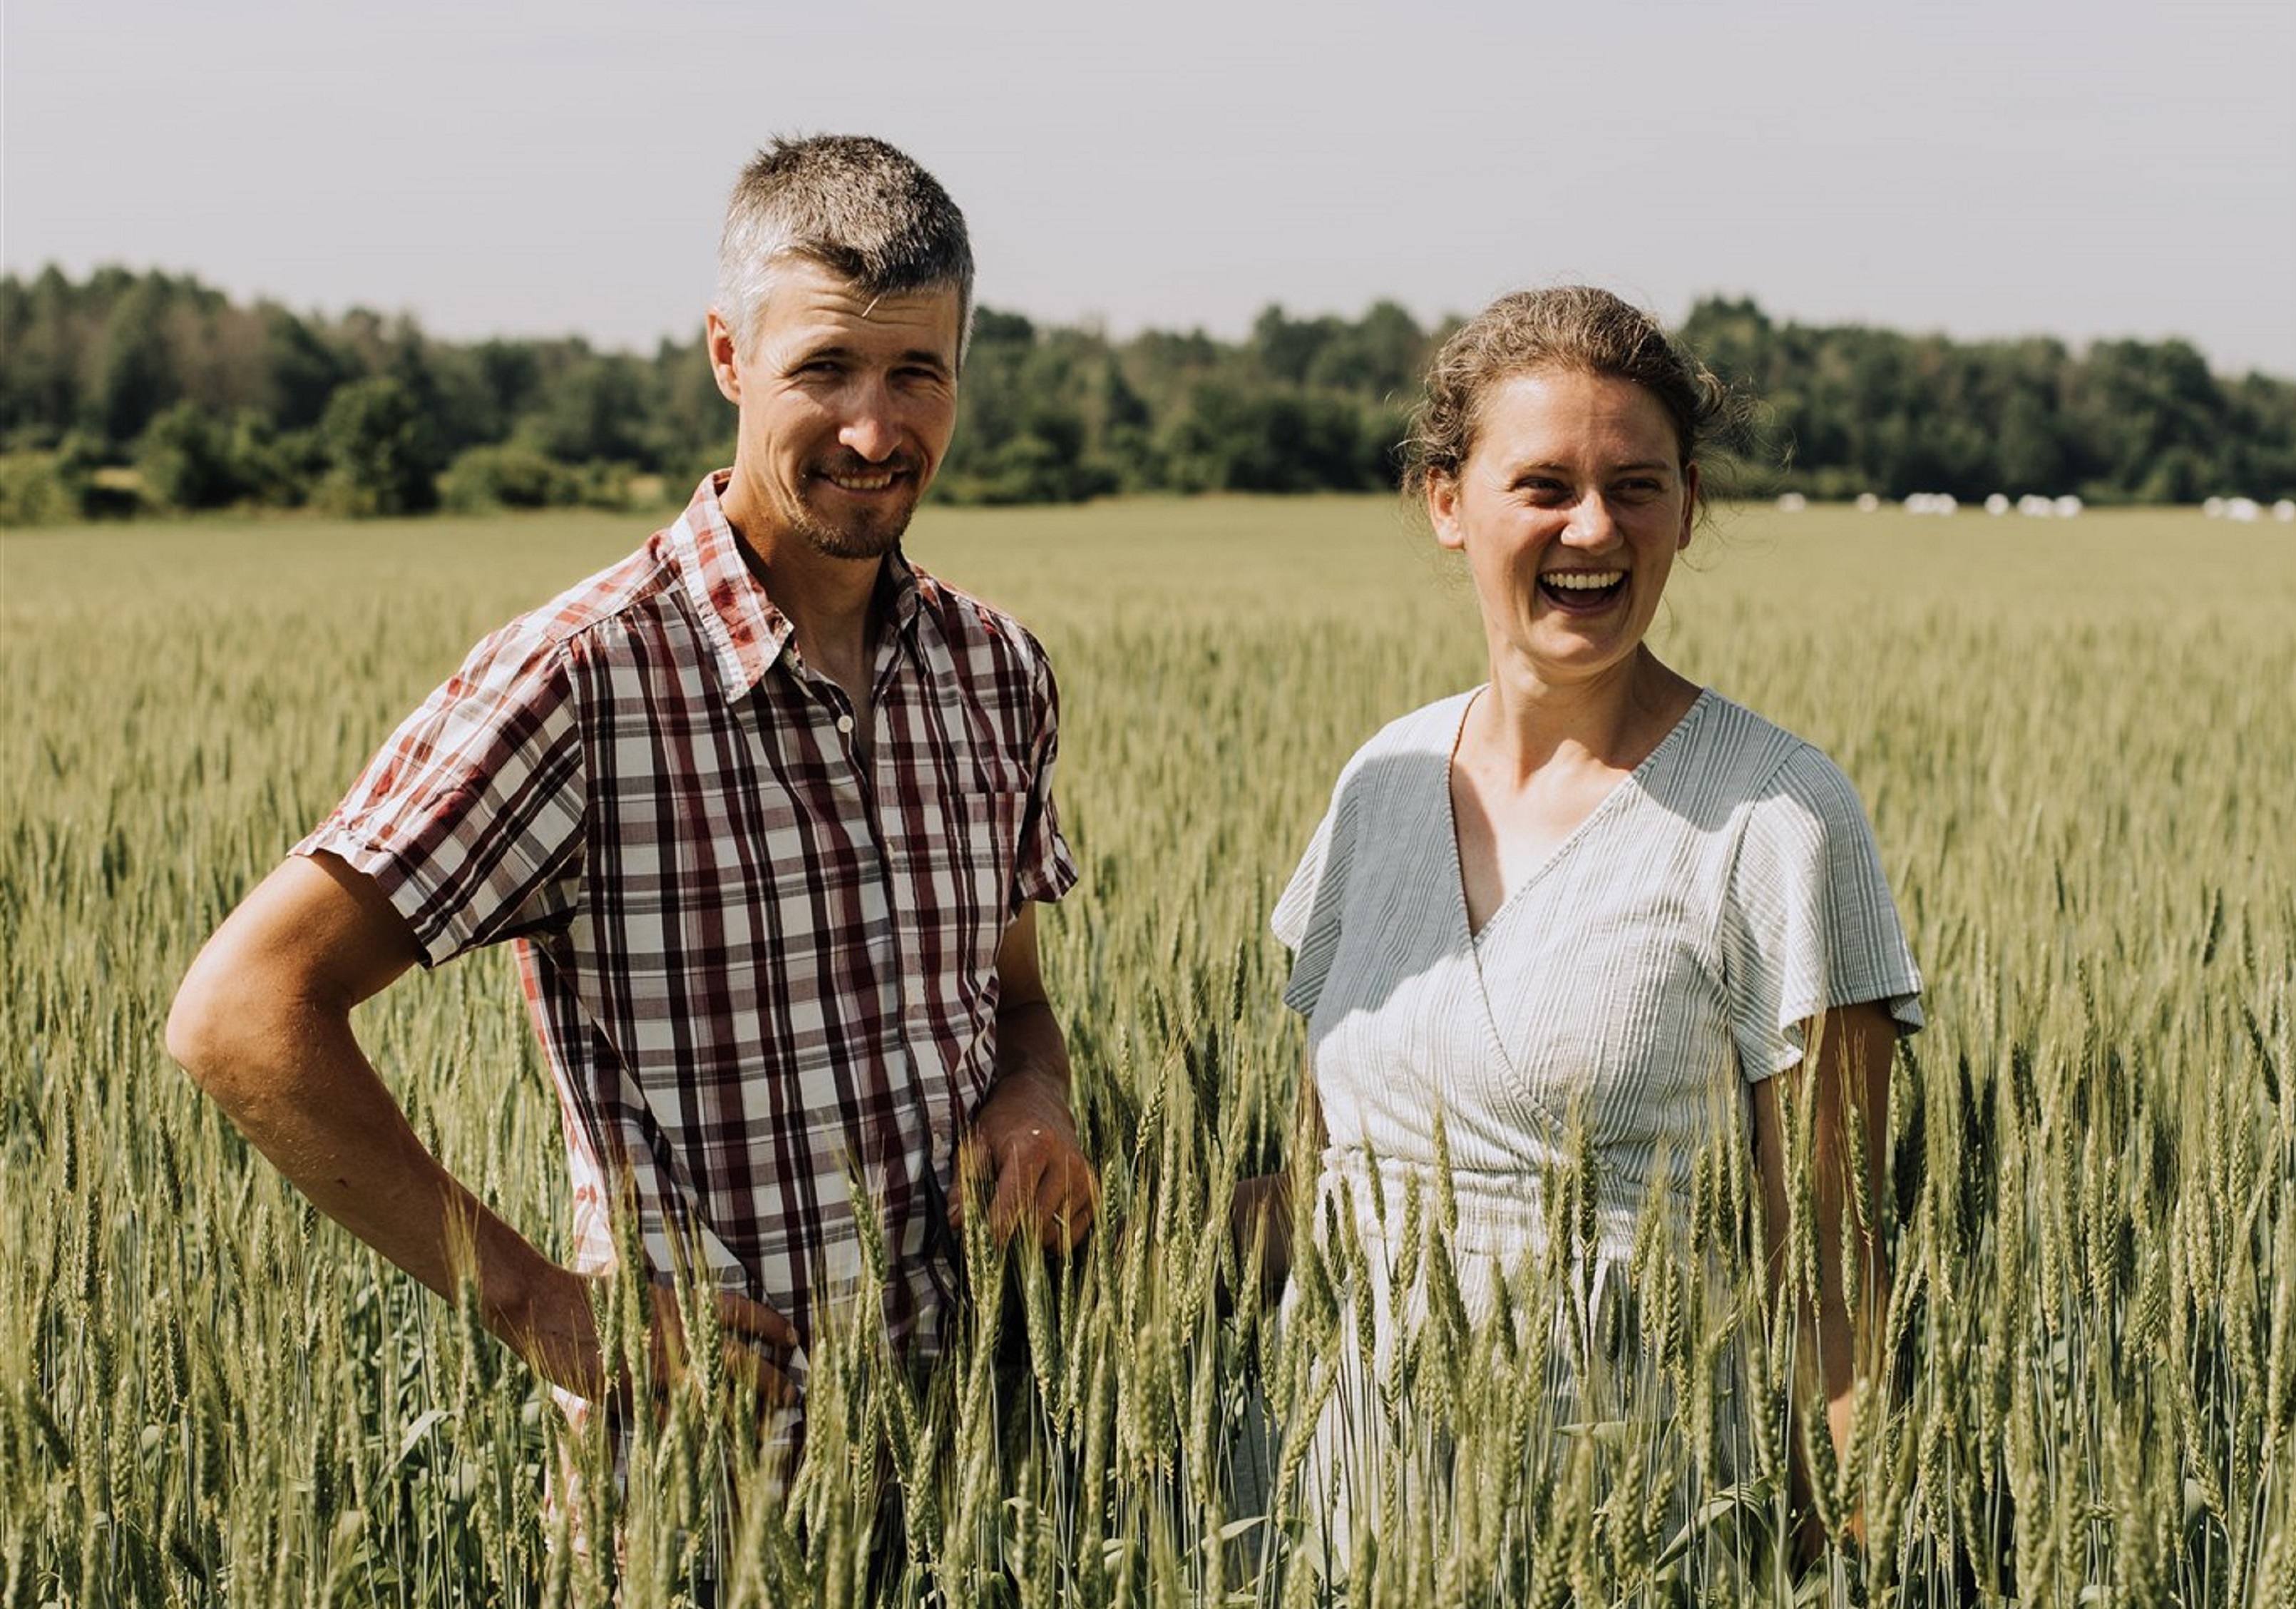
2076 739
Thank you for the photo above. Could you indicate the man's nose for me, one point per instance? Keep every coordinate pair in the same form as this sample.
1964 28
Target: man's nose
871 428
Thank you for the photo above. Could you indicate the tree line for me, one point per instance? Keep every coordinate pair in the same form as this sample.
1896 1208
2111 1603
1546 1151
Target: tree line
126 392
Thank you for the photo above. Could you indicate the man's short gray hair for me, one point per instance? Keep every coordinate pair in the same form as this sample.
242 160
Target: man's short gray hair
852 204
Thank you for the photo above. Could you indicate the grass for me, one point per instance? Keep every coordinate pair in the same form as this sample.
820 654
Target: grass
2074 739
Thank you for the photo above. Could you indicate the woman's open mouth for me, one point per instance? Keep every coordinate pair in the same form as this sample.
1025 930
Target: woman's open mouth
1581 589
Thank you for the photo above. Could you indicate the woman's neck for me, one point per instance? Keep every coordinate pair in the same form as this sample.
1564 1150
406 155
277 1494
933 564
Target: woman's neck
1523 723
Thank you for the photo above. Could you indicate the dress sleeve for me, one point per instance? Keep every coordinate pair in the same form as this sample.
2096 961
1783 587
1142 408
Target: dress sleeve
1307 915
1810 923
471 818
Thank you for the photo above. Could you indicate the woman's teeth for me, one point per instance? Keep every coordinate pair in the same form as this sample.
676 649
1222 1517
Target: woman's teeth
1582 580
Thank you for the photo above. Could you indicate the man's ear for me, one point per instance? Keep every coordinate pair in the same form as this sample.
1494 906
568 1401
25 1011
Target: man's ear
724 360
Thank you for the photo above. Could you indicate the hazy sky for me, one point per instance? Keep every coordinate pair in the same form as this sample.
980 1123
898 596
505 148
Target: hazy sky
2077 168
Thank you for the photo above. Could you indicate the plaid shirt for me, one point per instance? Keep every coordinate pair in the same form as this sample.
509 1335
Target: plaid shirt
759 967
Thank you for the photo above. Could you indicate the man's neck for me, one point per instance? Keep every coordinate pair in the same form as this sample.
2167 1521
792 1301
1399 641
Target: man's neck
831 605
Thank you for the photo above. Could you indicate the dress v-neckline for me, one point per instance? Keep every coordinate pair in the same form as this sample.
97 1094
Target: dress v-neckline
1464 923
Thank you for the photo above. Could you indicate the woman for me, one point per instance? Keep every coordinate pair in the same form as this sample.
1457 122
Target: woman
1587 910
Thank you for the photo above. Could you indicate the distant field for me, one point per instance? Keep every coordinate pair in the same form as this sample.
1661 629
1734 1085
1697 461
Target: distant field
2077 740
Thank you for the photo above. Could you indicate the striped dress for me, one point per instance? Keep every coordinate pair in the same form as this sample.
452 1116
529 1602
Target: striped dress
1665 956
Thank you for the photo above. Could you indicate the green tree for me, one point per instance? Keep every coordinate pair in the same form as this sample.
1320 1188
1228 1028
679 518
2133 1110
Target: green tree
1284 349
1380 357
186 460
301 369
1237 438
695 420
135 377
508 476
42 334
382 454
601 411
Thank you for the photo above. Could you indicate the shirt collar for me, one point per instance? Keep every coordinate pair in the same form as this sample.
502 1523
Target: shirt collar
747 631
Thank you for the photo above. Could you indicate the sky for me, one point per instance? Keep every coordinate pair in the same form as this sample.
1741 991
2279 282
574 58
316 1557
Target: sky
2078 168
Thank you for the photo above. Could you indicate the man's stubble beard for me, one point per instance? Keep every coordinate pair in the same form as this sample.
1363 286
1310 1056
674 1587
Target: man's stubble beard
867 539
873 541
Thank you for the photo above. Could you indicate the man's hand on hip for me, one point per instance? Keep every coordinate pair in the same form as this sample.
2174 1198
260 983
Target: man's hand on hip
557 1333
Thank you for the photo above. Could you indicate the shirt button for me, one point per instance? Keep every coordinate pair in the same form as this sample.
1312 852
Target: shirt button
845 723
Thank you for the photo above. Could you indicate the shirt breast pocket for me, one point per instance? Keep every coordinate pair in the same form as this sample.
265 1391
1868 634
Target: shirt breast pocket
989 824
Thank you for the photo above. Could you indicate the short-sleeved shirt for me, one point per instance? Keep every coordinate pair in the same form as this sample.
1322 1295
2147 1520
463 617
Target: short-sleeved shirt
1664 956
762 968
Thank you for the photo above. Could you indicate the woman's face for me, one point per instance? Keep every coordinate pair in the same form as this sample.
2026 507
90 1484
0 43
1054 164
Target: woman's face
1570 507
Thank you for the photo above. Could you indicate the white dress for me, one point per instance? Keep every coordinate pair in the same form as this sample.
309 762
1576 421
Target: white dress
1664 956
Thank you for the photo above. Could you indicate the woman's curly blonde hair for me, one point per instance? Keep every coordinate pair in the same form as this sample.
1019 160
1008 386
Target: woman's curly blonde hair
1570 327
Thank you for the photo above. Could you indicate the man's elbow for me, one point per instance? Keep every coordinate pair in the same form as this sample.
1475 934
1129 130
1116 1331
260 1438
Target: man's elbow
193 1029
211 1029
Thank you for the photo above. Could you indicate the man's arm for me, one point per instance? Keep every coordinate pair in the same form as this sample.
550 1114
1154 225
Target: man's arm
1024 1135
263 1022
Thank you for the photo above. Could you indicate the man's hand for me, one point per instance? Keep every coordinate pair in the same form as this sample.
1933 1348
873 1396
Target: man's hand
1022 1151
757 1342
558 1334
1023 1148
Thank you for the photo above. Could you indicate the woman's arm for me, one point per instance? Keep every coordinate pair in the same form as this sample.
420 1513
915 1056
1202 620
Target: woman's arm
1845 1076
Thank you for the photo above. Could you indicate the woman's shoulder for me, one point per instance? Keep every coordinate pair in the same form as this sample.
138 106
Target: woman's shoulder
1387 802
1399 767
1734 757
1755 769
1758 744
1433 725
1431 729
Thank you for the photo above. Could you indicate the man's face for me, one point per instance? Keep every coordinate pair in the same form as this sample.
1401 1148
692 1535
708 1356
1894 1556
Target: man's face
846 402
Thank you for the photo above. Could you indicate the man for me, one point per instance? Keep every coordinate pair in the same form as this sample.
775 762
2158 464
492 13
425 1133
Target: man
765 812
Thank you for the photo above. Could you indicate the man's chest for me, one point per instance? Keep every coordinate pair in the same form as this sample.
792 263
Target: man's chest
774 828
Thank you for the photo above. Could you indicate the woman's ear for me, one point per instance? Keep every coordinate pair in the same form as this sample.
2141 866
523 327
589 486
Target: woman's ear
1689 505
1443 509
